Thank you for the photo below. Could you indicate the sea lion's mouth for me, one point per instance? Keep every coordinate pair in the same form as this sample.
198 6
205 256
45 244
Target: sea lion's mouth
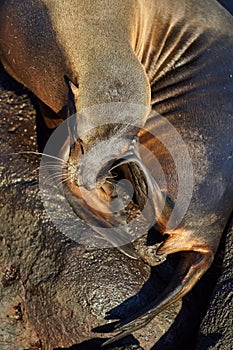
123 179
130 173
123 196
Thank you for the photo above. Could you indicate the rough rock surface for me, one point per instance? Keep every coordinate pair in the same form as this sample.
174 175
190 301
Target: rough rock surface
53 292
216 328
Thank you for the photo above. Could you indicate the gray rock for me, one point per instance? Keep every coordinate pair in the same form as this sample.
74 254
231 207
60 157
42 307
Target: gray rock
216 328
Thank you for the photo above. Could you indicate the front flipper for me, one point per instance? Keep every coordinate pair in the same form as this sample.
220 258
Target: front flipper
191 267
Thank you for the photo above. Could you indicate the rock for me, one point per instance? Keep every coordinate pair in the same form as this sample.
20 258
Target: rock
216 328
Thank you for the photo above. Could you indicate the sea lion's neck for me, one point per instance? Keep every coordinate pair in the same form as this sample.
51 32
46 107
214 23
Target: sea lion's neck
97 39
110 72
111 76
101 58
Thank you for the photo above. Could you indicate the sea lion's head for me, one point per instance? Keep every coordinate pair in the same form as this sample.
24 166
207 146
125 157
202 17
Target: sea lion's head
105 173
104 164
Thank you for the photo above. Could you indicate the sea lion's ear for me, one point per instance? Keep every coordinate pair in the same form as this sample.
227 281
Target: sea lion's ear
73 93
72 87
72 122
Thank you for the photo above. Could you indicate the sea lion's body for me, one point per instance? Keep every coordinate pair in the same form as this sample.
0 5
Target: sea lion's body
175 56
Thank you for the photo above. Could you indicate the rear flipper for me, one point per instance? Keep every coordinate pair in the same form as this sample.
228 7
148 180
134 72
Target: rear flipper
190 268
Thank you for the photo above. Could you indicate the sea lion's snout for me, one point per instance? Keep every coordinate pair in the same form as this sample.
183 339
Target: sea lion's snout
110 187
113 163
96 163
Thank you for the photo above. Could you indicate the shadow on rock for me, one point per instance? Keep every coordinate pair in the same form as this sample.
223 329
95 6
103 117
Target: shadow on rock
149 291
42 132
129 344
8 83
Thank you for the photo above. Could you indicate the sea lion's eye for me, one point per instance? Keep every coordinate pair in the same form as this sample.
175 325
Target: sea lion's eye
81 145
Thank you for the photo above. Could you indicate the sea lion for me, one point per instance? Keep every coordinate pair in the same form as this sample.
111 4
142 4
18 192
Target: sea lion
176 58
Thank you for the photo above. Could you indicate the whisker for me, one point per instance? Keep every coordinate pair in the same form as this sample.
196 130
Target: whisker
54 177
65 179
57 175
60 160
38 154
57 167
52 163
45 167
57 180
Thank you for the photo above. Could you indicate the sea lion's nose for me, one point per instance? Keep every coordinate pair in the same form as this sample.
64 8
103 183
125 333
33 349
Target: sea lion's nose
96 162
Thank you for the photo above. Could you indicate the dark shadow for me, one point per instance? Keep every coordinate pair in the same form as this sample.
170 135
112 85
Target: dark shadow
209 340
42 132
150 290
154 237
227 4
95 344
8 83
87 345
